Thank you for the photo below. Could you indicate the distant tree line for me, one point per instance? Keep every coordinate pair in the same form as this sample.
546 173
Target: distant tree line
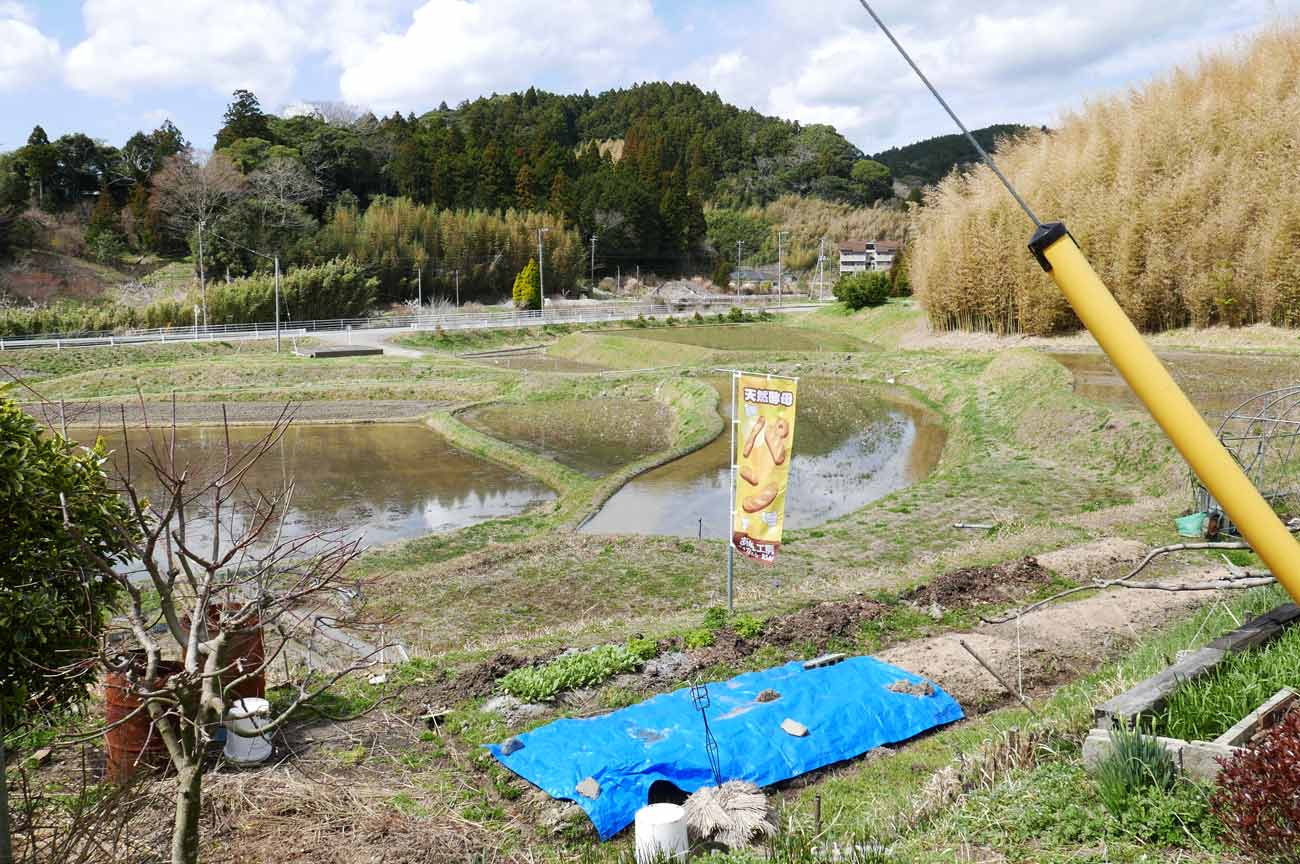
929 161
634 167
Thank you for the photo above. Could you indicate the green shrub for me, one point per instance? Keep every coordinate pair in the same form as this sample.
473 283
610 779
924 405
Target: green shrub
737 315
336 289
541 683
860 290
527 290
1136 763
701 638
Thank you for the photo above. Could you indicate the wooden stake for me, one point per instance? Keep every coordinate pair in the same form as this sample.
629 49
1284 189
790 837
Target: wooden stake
989 669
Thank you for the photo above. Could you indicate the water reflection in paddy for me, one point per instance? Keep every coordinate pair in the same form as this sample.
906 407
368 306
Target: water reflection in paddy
852 446
380 482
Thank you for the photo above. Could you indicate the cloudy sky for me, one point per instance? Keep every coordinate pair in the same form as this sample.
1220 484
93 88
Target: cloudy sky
110 67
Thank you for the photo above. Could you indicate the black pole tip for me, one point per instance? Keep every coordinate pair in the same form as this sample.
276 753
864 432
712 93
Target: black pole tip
1047 234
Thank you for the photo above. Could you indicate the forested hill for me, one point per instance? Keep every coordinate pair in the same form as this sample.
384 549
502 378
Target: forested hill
927 162
727 156
635 166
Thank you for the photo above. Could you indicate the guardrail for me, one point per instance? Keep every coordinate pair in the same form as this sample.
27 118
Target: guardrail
586 313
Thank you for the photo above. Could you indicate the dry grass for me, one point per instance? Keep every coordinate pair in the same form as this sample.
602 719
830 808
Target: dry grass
810 219
1184 195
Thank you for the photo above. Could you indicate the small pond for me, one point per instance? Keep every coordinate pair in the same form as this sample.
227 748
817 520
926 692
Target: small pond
852 446
378 482
594 436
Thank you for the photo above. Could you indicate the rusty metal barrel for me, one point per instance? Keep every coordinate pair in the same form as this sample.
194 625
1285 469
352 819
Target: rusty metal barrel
133 744
246 650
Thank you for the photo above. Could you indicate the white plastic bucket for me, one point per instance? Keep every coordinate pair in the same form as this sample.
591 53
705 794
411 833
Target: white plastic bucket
243 745
661 834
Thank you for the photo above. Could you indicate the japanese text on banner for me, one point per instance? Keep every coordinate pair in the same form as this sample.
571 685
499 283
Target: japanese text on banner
764 441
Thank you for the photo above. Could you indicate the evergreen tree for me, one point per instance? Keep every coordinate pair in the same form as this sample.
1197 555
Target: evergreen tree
561 201
525 189
528 287
244 118
39 160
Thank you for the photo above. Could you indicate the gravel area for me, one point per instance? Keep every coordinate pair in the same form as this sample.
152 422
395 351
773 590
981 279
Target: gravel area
204 413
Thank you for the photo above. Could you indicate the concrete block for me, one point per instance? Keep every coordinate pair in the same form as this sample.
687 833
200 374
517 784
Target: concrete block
1195 759
1200 759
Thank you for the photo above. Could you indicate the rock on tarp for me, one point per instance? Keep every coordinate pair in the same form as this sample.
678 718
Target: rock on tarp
847 708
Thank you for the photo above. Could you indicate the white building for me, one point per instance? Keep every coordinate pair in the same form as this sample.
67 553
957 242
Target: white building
860 256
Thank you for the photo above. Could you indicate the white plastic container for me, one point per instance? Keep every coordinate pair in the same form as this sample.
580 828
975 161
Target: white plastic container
661 834
246 716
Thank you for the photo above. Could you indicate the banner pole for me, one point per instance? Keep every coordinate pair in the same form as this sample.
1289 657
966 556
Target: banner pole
731 508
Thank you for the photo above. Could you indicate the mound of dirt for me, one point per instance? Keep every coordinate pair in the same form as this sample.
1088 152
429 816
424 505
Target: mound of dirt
818 625
482 679
979 586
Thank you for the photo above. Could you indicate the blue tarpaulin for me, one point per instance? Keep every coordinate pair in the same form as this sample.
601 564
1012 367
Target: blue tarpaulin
847 708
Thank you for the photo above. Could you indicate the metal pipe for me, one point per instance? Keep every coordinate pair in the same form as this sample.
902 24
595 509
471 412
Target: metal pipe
1173 411
731 505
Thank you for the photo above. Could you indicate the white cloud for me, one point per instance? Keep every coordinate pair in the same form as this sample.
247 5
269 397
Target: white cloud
28 54
217 44
456 49
1003 61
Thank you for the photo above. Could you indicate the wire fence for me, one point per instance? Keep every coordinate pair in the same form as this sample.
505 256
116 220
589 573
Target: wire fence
585 313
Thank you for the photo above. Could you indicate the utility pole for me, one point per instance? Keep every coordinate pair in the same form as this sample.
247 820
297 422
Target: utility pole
419 288
618 279
821 269
277 304
457 289
593 262
541 271
739 245
780 238
203 283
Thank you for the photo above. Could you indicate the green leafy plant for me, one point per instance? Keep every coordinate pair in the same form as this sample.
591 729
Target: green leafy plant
715 618
643 649
1135 763
748 626
701 638
541 683
527 290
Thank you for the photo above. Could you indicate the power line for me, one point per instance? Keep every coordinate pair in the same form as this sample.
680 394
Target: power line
988 160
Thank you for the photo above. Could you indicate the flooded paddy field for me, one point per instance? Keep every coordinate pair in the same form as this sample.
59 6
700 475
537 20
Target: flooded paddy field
1216 383
379 482
852 446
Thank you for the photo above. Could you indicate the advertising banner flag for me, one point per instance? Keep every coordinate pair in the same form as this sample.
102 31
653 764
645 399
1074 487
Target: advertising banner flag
764 440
